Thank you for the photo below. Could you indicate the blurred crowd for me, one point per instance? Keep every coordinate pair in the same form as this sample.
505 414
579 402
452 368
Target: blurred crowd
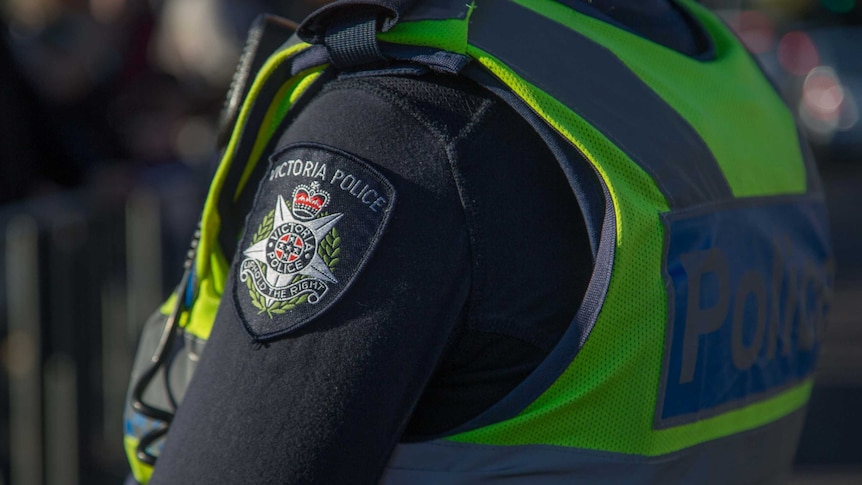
90 89
89 84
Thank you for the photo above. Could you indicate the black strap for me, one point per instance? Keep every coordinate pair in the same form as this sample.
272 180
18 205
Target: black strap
314 28
267 34
352 41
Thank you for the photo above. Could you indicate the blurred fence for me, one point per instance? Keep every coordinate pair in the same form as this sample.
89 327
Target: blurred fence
80 273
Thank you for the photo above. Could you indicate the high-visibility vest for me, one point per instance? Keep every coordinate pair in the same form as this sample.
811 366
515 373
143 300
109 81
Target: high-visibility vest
691 356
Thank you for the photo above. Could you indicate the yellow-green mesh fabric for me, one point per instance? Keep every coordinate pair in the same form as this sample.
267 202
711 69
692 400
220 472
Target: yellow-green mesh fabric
140 470
756 160
211 265
283 100
606 399
447 35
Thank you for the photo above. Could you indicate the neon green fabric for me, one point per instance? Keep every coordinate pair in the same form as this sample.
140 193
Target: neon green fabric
140 470
211 265
606 398
698 91
447 35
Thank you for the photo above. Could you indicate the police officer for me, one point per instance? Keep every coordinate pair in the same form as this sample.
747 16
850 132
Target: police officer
528 242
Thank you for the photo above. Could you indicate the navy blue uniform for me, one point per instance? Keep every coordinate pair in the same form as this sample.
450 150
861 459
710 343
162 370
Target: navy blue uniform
479 272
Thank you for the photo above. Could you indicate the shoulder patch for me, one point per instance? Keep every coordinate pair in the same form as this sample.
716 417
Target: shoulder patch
317 217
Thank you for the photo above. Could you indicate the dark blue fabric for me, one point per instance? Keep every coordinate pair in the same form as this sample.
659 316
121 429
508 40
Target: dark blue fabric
661 21
352 41
741 329
313 29
608 95
440 61
436 10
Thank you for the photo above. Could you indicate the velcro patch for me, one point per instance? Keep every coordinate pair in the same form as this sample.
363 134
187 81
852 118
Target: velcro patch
742 329
317 217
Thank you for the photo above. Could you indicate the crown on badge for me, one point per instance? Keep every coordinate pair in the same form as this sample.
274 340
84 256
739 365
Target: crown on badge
309 201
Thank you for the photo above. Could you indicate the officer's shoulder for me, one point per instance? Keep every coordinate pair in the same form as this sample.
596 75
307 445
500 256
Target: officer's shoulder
445 103
402 124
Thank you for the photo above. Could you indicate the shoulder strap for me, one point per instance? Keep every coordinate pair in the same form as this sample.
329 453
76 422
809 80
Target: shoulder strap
315 27
350 31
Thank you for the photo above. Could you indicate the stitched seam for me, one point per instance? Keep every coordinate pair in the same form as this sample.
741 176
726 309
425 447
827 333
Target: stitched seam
447 143
471 215
396 101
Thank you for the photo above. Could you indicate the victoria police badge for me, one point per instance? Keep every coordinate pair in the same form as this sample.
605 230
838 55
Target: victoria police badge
317 217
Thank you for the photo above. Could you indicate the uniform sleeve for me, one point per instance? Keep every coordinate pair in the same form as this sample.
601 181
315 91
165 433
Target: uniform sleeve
326 398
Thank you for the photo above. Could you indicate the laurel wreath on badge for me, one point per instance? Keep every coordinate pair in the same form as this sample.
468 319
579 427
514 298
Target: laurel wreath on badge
329 250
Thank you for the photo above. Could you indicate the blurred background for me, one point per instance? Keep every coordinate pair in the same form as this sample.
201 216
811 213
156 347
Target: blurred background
108 122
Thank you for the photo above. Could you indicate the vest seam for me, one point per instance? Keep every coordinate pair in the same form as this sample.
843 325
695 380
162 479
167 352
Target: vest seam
446 144
386 95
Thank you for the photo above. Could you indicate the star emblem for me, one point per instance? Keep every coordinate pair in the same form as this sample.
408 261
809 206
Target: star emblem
295 242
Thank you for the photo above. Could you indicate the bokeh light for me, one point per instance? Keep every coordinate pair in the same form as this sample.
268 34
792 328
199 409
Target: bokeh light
756 30
839 6
823 94
797 53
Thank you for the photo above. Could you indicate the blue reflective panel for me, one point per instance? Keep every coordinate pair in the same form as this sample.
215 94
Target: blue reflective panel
748 287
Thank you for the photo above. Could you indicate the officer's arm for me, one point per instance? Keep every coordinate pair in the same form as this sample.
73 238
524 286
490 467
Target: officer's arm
327 401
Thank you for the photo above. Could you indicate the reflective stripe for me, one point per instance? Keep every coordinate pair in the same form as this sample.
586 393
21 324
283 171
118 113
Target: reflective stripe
594 83
762 455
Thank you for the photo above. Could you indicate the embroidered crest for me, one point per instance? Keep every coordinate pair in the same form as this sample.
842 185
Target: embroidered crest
317 217
290 261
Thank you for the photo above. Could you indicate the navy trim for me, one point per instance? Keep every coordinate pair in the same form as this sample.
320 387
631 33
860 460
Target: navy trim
761 455
390 12
240 158
438 10
707 49
704 39
598 208
813 182
437 60
594 83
